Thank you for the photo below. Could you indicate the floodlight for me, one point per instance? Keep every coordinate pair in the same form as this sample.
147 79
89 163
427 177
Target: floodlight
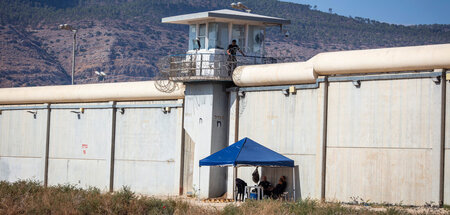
357 83
33 112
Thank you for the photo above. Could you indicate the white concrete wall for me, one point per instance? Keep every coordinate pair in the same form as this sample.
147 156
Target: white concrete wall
232 117
148 149
383 141
197 125
219 139
290 125
22 145
80 148
200 124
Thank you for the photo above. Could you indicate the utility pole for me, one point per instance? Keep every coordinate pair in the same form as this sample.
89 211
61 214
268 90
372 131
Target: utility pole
70 28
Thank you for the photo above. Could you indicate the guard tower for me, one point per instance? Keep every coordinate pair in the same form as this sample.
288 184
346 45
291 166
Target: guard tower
210 33
205 70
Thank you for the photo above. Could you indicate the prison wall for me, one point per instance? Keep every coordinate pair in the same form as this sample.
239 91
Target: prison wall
105 144
290 125
371 138
147 145
363 130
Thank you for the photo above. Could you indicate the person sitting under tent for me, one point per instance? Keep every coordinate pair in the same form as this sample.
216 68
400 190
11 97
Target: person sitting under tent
240 185
266 185
279 188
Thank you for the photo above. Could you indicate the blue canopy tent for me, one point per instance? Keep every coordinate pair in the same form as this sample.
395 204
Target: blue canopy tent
247 152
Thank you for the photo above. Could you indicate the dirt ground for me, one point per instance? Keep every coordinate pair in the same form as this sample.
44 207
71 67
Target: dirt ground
220 203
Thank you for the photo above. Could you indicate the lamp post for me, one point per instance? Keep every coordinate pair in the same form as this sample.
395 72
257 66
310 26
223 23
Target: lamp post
70 28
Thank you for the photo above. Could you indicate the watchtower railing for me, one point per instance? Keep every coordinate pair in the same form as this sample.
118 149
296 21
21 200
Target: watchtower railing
207 66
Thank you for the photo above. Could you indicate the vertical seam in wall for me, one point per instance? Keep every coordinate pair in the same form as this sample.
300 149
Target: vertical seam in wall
183 150
443 119
236 136
324 137
113 146
47 145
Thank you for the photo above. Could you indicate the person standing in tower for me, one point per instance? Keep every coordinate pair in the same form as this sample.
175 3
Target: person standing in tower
232 61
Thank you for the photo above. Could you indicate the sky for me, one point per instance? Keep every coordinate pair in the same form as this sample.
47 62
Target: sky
405 12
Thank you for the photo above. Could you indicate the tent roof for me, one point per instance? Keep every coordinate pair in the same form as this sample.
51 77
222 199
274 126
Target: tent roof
246 152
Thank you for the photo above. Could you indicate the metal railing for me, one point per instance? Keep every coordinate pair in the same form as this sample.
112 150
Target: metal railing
219 66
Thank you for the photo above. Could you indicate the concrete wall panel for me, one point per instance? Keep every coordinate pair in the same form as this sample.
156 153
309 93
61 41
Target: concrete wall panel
290 125
80 147
148 150
384 141
82 173
22 145
379 175
401 113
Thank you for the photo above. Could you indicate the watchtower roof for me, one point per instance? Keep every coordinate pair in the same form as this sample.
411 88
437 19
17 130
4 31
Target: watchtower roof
225 15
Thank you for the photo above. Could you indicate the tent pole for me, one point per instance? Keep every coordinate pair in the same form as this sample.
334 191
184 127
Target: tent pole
199 171
234 183
293 181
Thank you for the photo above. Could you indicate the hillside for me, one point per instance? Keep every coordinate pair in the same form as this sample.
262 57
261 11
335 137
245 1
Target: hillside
125 39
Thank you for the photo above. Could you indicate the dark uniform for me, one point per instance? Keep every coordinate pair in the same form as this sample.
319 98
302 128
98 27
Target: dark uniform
265 185
232 61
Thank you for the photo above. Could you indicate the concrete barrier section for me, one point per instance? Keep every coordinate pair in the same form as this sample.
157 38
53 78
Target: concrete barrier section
148 148
80 144
291 125
22 144
384 141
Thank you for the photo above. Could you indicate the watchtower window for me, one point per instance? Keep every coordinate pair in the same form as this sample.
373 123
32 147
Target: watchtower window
192 36
255 39
202 35
238 34
217 35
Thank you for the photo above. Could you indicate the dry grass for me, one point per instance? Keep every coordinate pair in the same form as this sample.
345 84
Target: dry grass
28 197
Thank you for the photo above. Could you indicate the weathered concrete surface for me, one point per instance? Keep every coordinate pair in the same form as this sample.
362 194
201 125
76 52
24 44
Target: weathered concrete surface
205 123
232 117
148 149
80 148
22 145
219 138
447 148
290 125
188 167
383 141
